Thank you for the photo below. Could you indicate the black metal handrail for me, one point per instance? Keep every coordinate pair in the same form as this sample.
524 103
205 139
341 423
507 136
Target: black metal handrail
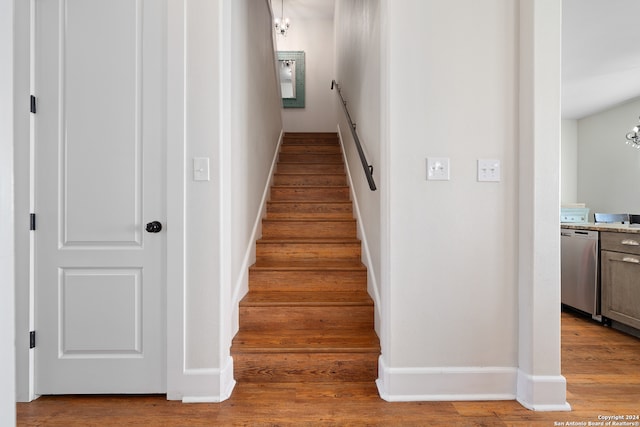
368 169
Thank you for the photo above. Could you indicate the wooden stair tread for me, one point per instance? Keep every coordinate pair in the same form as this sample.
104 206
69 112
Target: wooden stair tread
302 215
309 203
288 142
320 159
306 228
311 135
315 193
315 207
297 187
305 299
310 148
309 220
299 166
310 173
310 178
348 265
316 341
309 166
317 240
311 143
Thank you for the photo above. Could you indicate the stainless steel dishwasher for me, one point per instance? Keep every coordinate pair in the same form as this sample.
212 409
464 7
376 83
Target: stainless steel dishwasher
579 270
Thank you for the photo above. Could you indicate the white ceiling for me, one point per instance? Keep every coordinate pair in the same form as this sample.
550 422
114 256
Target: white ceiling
600 55
304 9
600 50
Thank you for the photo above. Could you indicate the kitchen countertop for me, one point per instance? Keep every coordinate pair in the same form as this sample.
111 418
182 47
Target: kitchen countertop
616 227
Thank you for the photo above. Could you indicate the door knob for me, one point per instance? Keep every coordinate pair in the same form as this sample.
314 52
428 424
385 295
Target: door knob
154 227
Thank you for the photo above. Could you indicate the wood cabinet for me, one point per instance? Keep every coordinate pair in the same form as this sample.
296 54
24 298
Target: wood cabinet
620 277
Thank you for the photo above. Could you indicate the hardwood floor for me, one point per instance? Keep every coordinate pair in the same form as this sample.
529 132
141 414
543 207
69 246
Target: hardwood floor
602 367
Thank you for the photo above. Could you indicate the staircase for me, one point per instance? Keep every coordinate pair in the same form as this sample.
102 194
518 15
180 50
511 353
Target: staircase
307 316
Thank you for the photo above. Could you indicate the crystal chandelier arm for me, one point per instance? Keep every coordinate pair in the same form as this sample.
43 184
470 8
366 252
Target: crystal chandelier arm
282 24
633 137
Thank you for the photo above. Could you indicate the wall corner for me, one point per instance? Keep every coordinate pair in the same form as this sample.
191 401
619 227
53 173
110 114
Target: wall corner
542 393
539 385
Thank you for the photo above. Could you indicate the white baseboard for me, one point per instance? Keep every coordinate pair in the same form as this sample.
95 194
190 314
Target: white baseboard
366 253
241 286
206 385
542 392
446 383
537 393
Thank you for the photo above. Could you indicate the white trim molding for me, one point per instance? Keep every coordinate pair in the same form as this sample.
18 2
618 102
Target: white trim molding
540 386
242 284
542 392
207 385
7 248
445 383
372 281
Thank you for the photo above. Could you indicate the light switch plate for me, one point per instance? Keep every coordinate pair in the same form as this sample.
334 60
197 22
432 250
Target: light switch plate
489 170
201 169
438 169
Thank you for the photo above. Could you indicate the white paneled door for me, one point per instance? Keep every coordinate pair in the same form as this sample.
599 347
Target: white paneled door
99 139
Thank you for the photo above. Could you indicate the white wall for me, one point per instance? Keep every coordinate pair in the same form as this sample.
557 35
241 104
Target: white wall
7 320
608 169
569 162
357 28
203 200
195 367
256 124
222 105
315 38
452 273
453 241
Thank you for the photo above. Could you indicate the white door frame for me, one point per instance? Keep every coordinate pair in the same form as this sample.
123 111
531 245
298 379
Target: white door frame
7 261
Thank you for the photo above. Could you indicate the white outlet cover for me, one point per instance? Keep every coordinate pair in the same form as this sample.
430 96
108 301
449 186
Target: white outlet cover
438 169
489 170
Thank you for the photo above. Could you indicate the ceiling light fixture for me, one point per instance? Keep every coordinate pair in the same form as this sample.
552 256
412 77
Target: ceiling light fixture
633 137
282 24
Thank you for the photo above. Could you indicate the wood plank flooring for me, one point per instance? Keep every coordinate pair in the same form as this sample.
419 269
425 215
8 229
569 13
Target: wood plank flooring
602 367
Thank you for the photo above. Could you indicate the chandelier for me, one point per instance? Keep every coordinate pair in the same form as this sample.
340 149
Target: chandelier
282 24
633 137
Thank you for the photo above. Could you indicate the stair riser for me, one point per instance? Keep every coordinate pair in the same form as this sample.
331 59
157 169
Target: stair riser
293 251
314 367
311 149
309 210
308 229
271 318
318 138
318 281
310 168
310 179
312 142
300 194
310 158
